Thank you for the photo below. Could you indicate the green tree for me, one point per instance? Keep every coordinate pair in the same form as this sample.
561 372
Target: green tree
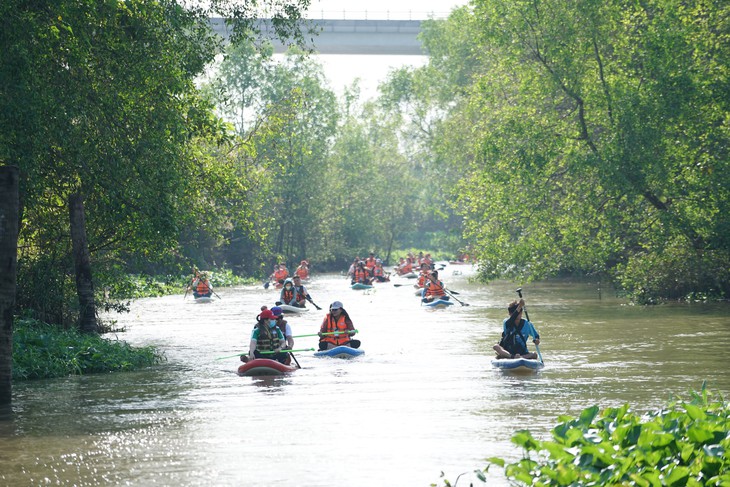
593 138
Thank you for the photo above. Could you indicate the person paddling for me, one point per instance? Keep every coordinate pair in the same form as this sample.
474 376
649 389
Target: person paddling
515 332
434 289
337 320
266 337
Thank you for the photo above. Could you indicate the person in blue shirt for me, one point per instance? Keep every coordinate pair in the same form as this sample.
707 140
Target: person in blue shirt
515 332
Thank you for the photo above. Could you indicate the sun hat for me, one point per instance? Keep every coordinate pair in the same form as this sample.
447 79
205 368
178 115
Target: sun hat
336 305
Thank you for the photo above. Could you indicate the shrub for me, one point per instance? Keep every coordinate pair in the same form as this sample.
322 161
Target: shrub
41 350
683 443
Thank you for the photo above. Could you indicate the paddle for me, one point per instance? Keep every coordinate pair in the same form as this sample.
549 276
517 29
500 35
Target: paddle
189 286
290 351
451 293
295 360
329 333
527 315
313 303
245 353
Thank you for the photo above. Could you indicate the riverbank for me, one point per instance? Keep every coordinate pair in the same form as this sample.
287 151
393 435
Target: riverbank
43 351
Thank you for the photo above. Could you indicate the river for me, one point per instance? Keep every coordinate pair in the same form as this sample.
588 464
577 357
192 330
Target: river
422 399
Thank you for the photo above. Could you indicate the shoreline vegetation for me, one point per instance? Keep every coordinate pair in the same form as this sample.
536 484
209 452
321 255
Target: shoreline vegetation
683 443
44 351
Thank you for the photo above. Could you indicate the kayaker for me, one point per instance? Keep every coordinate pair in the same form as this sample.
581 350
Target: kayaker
337 320
303 270
288 294
361 276
201 286
379 273
301 295
434 289
423 276
515 332
267 337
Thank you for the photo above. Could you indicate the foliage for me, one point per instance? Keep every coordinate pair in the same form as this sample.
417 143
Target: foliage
45 351
683 443
591 137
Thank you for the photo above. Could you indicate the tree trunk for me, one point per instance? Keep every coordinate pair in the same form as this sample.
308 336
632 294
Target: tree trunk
9 207
82 265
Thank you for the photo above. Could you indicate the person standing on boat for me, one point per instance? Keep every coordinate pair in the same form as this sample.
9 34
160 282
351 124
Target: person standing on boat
515 332
267 337
434 289
337 320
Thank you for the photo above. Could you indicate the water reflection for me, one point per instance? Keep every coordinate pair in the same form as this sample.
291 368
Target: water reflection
424 397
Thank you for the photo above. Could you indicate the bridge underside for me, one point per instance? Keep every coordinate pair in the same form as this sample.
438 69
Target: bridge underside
394 37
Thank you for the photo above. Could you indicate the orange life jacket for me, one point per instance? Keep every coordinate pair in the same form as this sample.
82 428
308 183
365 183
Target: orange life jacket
202 287
281 274
361 274
435 289
287 295
302 272
422 279
329 325
405 269
378 271
370 262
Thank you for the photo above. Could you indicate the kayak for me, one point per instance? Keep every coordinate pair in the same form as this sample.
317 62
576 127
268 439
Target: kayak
409 275
359 285
203 299
264 366
518 365
419 291
439 303
340 352
292 309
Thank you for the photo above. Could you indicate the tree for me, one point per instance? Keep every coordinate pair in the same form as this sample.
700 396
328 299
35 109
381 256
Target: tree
594 139
9 216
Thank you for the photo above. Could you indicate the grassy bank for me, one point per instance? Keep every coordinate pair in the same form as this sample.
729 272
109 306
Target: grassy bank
41 351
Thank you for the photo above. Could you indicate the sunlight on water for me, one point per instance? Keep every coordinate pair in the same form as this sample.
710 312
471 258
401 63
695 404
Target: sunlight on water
423 399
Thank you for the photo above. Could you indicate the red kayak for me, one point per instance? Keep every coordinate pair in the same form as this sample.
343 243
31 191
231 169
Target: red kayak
264 366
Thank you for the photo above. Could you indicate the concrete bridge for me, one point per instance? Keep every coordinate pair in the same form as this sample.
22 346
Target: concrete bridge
350 36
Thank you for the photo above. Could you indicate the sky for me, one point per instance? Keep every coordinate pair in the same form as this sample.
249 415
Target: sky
342 70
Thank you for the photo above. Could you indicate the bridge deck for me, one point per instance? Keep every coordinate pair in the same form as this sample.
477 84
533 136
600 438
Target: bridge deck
352 36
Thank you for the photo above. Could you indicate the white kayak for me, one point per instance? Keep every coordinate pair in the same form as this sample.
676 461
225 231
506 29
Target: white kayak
292 309
518 365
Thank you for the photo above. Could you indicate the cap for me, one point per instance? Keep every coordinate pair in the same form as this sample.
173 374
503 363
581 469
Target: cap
277 310
266 314
336 305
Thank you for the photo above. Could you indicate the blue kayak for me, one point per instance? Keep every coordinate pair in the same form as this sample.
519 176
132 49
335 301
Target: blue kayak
359 285
340 352
439 303
518 365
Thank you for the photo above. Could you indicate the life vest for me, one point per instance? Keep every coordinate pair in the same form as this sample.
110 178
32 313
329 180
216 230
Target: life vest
422 279
329 325
370 262
435 289
202 287
287 295
406 268
266 344
302 272
281 274
512 339
301 296
378 272
361 275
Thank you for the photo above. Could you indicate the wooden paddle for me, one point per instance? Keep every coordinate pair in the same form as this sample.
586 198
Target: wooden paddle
537 347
